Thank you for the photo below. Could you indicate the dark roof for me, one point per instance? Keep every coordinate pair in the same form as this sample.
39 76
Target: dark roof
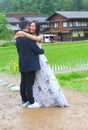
15 28
72 14
13 20
36 18
18 15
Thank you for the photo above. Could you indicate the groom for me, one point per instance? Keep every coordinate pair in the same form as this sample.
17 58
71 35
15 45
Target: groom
28 53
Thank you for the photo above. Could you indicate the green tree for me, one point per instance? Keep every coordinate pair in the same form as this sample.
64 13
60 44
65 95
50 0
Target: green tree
85 5
78 5
44 7
6 6
47 7
5 29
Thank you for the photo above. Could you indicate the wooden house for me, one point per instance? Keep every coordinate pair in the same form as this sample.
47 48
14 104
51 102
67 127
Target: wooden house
68 25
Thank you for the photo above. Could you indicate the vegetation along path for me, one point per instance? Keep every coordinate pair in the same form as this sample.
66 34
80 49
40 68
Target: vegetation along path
14 117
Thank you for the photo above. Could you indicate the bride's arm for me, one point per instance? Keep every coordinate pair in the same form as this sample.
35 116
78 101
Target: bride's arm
19 34
32 37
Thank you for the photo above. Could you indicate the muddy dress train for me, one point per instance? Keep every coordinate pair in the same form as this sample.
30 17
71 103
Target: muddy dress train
46 89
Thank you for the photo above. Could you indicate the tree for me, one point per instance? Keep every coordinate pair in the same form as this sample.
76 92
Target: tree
78 5
5 29
44 7
6 6
85 5
47 7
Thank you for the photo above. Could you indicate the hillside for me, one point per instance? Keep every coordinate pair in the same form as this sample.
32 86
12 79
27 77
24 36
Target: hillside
43 7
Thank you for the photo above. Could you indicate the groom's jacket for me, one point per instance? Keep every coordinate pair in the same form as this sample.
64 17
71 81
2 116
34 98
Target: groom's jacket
28 53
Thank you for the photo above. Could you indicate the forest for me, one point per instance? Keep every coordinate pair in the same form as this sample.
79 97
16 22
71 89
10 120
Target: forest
44 7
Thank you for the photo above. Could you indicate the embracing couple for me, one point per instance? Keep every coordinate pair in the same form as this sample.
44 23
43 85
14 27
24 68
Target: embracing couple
39 86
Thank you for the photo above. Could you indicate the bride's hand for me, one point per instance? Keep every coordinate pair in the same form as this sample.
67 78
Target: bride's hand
19 34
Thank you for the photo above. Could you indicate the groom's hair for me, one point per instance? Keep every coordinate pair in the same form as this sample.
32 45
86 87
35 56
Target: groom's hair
24 24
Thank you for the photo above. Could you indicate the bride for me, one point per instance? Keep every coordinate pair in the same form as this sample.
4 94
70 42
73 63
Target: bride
46 90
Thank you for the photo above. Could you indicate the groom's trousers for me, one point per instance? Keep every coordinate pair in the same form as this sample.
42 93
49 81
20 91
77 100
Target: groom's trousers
26 86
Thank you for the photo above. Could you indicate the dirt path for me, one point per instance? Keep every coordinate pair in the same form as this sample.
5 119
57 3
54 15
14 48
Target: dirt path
14 117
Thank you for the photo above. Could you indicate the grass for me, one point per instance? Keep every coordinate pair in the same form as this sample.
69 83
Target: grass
75 80
68 55
60 56
8 55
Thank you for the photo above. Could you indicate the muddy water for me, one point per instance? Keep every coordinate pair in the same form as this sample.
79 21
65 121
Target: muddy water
14 117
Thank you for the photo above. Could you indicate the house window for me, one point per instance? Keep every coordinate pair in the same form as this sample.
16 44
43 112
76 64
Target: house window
55 25
75 24
80 24
64 24
77 34
87 23
17 25
83 24
71 24
44 26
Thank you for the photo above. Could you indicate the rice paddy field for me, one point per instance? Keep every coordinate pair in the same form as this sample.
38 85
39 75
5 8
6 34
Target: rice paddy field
67 55
61 56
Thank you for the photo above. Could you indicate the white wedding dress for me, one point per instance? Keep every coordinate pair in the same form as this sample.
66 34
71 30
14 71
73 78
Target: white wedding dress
46 89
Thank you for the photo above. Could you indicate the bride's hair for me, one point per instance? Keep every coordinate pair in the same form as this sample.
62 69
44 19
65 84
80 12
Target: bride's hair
37 27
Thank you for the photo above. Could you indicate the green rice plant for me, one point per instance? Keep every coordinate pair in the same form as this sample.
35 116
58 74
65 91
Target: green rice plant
67 56
72 75
74 80
61 56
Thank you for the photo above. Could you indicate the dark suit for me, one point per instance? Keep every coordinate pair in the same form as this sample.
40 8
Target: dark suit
28 53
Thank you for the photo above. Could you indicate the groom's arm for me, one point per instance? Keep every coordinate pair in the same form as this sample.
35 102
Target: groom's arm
34 47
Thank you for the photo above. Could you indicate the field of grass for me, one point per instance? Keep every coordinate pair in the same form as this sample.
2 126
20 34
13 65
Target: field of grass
61 56
74 80
67 55
8 56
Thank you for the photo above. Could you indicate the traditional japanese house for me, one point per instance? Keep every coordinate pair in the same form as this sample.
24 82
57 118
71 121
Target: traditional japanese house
68 25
